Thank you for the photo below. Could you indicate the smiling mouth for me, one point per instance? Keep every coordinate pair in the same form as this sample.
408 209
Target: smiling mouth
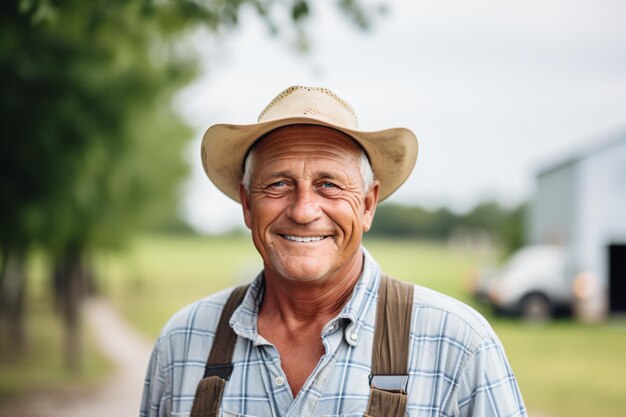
304 239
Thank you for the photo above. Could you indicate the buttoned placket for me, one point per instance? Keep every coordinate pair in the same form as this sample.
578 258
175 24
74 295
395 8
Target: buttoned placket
275 380
309 396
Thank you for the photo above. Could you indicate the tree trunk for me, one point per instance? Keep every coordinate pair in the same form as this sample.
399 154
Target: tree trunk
68 278
92 287
12 300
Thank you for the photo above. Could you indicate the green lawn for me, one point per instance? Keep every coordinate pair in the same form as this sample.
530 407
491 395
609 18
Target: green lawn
567 368
160 275
564 368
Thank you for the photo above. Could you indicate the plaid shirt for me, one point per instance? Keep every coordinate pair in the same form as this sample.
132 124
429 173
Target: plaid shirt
457 366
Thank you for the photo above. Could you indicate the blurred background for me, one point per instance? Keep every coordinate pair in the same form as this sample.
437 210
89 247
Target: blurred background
108 224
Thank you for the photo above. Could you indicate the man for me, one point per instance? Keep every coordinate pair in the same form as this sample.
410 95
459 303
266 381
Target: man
309 183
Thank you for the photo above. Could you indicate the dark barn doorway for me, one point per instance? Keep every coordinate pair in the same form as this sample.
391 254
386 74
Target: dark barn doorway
617 278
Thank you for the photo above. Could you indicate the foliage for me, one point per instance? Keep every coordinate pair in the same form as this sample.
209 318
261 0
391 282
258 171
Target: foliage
92 137
92 149
92 130
503 225
94 146
412 221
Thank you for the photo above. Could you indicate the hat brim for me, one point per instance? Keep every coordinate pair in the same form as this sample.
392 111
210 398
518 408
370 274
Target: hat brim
392 152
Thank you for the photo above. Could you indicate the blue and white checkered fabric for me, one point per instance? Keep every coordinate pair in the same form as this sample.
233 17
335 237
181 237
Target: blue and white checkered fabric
457 365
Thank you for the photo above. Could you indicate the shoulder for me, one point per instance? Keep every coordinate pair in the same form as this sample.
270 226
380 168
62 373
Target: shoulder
445 319
184 340
199 318
436 303
451 339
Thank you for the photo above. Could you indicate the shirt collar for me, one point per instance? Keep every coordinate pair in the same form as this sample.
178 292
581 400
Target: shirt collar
365 291
354 313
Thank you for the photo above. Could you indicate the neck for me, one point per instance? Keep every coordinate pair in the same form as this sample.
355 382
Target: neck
308 301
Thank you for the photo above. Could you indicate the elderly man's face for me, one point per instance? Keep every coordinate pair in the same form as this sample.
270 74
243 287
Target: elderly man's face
306 205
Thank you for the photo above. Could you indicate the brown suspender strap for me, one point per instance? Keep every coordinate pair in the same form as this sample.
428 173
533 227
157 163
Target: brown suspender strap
219 365
390 351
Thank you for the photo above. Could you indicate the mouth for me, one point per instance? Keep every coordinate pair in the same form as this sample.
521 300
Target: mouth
303 239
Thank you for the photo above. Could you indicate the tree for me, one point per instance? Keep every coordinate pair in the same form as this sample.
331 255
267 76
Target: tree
92 148
506 226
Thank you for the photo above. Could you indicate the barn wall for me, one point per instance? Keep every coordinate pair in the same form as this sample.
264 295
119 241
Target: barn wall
552 210
602 207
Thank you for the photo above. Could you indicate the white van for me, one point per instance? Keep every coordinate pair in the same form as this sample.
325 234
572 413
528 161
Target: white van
533 283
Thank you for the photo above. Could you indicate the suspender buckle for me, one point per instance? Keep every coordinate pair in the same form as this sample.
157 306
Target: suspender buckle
391 383
223 371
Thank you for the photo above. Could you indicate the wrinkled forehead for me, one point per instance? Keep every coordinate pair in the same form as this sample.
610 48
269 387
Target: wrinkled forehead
313 137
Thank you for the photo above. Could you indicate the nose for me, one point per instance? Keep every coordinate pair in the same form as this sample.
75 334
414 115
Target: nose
304 208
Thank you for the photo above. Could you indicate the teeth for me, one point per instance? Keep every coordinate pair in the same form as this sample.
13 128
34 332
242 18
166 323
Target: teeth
303 239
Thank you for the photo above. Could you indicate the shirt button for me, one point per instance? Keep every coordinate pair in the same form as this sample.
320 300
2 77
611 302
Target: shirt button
354 337
279 380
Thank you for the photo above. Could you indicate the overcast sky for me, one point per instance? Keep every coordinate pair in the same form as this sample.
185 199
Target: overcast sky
493 90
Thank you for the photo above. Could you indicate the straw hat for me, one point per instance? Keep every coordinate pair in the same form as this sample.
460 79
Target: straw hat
392 152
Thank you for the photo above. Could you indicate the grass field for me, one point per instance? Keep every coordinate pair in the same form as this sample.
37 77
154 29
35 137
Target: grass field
564 368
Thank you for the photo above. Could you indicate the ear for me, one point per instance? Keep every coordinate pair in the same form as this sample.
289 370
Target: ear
370 202
245 205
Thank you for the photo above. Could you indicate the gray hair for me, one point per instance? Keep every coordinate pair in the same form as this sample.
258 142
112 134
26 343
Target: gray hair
367 175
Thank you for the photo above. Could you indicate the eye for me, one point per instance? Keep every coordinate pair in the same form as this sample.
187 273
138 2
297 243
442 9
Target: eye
277 184
328 188
278 187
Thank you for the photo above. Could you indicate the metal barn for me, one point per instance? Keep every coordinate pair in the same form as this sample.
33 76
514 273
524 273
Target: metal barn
580 203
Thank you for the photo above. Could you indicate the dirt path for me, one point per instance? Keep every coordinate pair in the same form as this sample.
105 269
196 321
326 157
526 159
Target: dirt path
119 395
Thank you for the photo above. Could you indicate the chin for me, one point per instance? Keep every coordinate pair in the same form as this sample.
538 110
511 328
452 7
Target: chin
302 274
301 271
